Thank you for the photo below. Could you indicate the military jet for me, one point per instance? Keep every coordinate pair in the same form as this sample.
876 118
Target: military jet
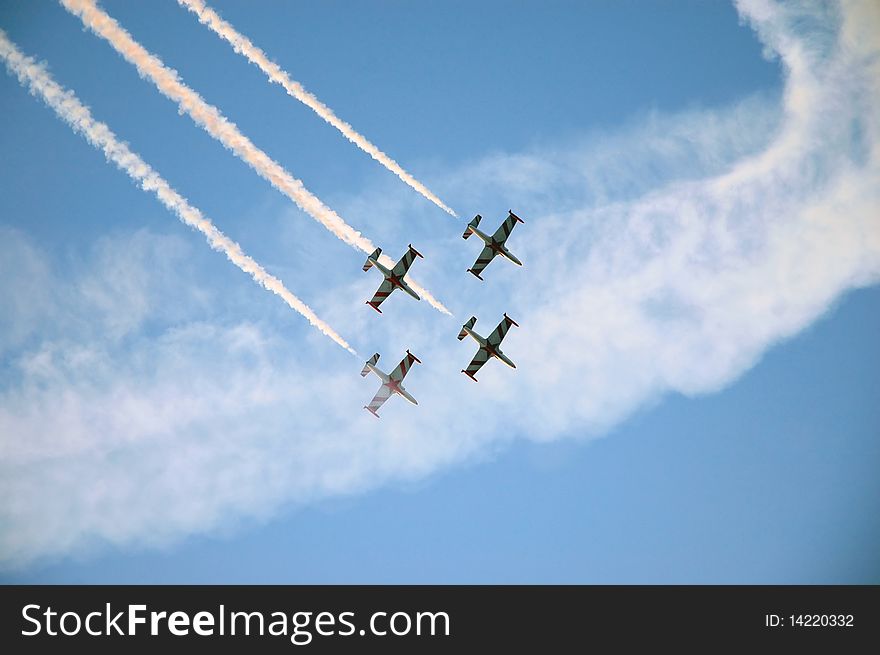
494 244
488 346
391 384
393 278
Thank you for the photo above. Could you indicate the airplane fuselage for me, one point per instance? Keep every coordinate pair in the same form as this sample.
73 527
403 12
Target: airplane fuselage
393 385
491 351
381 267
497 246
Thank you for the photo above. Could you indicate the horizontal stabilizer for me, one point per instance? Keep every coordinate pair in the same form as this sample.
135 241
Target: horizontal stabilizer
473 223
372 360
375 255
469 325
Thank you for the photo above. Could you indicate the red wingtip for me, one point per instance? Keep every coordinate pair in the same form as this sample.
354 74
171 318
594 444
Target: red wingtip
418 254
470 375
510 319
472 272
414 357
510 211
372 411
374 306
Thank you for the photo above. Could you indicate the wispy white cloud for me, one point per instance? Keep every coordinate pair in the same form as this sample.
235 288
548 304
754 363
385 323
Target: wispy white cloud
631 290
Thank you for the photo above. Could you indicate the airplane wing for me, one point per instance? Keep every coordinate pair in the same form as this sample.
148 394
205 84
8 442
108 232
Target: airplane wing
403 368
476 363
381 294
506 227
401 267
498 334
379 399
483 259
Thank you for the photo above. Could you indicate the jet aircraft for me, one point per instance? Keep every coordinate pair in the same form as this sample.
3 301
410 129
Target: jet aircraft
394 279
495 244
391 384
488 346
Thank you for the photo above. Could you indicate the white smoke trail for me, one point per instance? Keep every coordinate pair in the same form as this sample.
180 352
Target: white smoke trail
242 45
74 113
212 121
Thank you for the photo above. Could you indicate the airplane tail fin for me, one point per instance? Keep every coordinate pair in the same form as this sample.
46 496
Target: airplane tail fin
469 325
372 360
375 255
473 223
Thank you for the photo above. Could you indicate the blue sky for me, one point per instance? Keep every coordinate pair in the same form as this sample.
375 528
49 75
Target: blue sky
696 392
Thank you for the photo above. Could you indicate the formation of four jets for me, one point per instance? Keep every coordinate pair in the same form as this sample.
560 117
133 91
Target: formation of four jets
395 279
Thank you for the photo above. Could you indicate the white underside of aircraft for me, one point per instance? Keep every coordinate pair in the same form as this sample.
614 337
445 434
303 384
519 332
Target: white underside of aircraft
488 345
394 278
493 245
391 384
